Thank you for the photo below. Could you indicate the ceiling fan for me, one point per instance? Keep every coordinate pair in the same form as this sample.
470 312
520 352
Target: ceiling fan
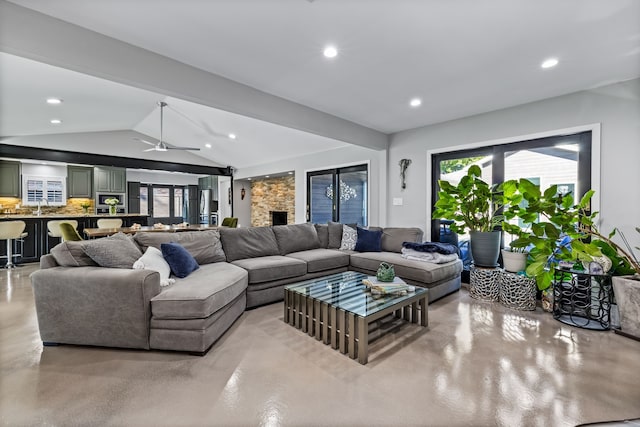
161 145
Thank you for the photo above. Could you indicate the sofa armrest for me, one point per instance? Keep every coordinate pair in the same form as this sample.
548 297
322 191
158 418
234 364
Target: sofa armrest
47 261
95 305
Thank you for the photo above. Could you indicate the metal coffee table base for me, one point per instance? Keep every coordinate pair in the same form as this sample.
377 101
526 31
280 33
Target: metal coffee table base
343 330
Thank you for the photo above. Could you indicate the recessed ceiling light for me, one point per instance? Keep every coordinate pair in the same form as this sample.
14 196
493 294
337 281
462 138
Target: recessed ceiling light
55 121
249 179
44 163
54 101
266 176
549 63
232 136
330 52
207 145
290 173
415 102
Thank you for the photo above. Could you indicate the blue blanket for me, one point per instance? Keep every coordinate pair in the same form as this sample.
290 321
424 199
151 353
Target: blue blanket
441 248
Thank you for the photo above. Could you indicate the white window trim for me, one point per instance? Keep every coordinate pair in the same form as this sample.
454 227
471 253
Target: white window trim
595 159
46 179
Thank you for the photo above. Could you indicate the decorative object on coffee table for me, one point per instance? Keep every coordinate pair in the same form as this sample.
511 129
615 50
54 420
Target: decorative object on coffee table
386 272
517 291
484 283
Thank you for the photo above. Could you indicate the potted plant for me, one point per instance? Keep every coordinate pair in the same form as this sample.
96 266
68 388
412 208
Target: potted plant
515 209
472 205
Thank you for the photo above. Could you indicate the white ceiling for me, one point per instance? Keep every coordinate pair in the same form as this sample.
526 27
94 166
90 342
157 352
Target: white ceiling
463 57
92 104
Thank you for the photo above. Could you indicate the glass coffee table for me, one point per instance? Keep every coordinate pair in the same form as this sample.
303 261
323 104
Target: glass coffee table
338 309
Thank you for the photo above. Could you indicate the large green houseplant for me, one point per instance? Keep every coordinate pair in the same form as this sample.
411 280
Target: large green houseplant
553 233
472 205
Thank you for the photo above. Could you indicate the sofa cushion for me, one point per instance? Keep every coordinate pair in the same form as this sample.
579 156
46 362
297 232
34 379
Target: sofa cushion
203 293
204 246
420 271
117 251
180 260
392 237
323 235
269 268
296 237
242 243
368 240
322 259
71 254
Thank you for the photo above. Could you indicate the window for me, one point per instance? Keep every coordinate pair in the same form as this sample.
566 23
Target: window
562 160
338 195
47 190
144 199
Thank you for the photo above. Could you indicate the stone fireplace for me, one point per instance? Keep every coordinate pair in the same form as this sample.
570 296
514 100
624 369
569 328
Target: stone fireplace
273 195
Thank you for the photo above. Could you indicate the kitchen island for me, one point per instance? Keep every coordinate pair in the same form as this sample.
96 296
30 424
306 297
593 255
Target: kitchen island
38 242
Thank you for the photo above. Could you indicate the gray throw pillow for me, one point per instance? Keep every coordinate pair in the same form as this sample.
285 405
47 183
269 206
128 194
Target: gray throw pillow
71 254
117 251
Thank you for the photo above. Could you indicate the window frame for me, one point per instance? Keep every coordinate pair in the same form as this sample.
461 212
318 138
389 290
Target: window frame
585 138
45 185
336 172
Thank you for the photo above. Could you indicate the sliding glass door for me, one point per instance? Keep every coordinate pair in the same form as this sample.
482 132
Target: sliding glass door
562 160
339 194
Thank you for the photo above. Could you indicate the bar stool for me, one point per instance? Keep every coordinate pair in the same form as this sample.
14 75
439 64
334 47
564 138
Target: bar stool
9 231
110 223
54 227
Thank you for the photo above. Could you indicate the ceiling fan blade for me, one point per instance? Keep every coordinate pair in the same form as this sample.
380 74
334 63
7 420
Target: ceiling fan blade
183 148
145 142
151 149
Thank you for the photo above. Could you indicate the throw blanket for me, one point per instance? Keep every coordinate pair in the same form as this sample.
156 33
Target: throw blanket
441 248
434 257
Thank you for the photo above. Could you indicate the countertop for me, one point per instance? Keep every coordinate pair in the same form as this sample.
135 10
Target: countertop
54 216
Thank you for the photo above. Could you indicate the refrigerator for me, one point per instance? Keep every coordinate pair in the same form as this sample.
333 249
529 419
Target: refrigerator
208 208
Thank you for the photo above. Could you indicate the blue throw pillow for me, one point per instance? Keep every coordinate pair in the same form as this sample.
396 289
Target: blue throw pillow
369 241
179 259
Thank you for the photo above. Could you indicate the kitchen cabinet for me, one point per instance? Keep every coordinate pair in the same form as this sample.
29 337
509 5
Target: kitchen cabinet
209 183
9 179
79 182
110 180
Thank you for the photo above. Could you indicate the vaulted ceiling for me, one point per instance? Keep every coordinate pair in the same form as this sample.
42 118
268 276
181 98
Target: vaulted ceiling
462 58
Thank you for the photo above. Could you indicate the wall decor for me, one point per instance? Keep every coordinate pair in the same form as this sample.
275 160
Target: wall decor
243 193
404 164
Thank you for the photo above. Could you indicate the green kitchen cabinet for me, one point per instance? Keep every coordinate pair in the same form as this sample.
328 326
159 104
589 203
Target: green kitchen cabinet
9 179
79 182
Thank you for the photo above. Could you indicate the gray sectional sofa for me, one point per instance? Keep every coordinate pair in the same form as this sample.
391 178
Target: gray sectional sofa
78 302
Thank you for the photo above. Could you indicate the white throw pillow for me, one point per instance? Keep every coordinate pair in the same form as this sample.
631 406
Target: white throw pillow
349 238
153 260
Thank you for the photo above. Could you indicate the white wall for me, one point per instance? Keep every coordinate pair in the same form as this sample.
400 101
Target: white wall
242 208
616 107
353 155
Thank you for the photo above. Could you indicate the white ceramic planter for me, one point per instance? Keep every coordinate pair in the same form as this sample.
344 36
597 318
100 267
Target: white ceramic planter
627 292
514 261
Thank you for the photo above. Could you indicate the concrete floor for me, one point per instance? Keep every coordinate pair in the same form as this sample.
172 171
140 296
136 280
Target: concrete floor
477 364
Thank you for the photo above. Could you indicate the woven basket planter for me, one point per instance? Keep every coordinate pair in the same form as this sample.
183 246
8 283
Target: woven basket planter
484 283
518 292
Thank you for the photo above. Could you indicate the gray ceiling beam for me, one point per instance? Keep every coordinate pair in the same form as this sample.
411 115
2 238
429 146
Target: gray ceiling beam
30 34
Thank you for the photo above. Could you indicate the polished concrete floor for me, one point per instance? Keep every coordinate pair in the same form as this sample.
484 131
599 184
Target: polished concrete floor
477 364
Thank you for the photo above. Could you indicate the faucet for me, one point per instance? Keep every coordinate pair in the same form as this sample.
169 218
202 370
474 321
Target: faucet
46 202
